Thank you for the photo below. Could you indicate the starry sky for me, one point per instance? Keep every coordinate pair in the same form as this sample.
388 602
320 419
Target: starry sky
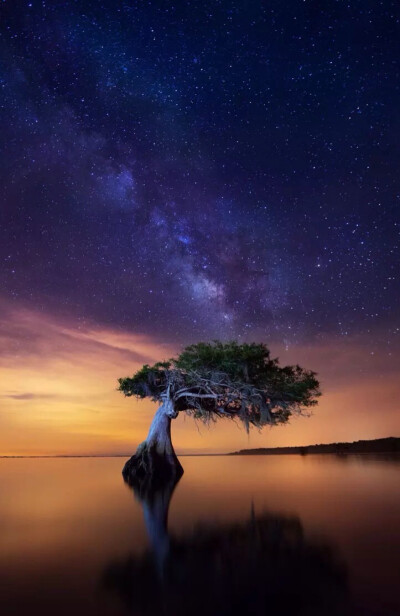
175 172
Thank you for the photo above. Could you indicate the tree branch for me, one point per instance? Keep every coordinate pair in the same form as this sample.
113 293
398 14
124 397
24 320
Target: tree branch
192 395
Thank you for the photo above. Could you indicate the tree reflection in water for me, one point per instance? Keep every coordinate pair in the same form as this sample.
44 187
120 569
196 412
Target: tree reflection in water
264 565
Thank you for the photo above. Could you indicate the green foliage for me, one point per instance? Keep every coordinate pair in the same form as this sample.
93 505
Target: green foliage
238 361
210 380
149 381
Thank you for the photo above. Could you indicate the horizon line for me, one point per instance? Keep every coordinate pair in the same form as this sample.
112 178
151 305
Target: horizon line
100 455
227 453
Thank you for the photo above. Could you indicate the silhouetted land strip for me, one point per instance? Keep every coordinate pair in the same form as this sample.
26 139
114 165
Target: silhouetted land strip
379 445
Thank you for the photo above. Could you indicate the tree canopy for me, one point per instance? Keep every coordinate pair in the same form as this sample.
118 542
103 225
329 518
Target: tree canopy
210 380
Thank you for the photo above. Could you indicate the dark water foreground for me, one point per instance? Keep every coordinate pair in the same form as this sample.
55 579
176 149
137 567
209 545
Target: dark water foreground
299 535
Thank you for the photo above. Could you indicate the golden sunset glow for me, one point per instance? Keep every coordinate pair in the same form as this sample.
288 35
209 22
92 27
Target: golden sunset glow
58 393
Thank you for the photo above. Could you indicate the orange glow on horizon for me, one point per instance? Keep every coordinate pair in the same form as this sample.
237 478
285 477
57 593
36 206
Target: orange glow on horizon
58 393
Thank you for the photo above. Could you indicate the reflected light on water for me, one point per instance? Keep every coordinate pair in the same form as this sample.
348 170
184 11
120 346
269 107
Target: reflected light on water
64 521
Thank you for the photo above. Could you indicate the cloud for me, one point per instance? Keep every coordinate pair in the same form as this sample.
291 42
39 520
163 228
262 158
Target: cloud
26 333
29 396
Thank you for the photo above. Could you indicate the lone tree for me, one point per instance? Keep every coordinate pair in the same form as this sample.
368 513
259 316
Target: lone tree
208 381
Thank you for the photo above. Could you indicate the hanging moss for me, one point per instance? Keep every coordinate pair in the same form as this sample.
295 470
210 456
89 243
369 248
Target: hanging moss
211 380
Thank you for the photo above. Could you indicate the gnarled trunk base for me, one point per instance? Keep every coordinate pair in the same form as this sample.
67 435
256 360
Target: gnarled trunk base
149 470
155 462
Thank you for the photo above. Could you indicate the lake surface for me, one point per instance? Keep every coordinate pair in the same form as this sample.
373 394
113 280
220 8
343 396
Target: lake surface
271 535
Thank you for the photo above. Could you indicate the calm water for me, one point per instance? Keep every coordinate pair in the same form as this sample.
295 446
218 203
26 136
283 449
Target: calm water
246 535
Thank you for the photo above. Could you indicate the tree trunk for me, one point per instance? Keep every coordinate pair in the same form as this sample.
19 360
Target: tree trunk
155 460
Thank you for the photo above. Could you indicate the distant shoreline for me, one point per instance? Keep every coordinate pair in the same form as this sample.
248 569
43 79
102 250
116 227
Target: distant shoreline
390 444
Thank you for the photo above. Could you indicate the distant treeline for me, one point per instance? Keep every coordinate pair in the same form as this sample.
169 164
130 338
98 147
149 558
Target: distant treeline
379 445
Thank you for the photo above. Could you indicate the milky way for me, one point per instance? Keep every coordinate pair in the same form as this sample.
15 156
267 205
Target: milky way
203 169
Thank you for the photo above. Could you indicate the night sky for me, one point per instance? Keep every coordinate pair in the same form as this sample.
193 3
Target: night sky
197 170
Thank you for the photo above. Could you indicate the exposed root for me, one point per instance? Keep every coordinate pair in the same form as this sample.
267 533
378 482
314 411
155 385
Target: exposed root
147 470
